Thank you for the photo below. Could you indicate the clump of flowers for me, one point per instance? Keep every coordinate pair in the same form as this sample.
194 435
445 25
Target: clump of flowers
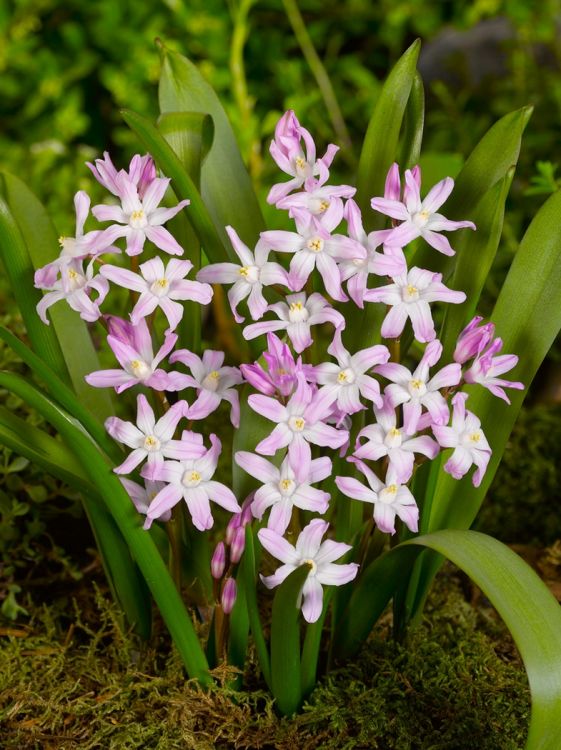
327 403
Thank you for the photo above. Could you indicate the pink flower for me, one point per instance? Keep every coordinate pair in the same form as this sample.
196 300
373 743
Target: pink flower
151 439
296 315
142 173
419 217
390 499
486 367
282 490
283 371
314 246
143 496
317 555
248 279
385 439
299 423
415 390
287 151
473 340
324 203
160 287
466 437
132 345
345 382
191 480
409 297
212 381
139 218
357 270
75 286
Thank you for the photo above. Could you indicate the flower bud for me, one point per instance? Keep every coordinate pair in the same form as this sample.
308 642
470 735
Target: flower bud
233 524
392 188
229 593
218 562
472 340
238 544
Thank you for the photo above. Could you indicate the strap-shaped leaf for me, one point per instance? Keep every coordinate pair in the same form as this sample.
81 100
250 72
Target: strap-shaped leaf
225 184
413 125
239 629
286 684
379 149
182 184
140 544
311 647
62 394
248 570
72 332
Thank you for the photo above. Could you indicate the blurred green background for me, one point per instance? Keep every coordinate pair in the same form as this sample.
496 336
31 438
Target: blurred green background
66 68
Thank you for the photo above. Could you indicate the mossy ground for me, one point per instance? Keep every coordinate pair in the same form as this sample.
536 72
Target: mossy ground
71 678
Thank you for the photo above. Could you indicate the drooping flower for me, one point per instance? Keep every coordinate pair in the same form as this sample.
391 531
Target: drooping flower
142 496
282 371
314 246
419 217
192 481
345 382
160 287
486 368
213 382
139 219
389 498
324 203
317 555
282 490
132 346
151 439
357 270
75 286
248 279
296 315
466 437
299 423
415 390
473 340
287 151
384 438
409 297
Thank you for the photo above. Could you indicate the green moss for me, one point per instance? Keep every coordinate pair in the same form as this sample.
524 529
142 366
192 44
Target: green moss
76 681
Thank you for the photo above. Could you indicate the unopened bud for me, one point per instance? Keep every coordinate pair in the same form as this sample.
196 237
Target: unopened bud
218 562
233 524
473 340
229 593
238 544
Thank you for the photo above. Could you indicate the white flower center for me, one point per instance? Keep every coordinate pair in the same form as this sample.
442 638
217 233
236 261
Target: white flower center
393 438
286 487
387 495
409 293
191 478
137 219
312 564
68 245
151 443
416 388
139 369
211 381
315 244
75 280
474 437
298 313
160 287
359 262
318 205
346 377
249 274
420 219
296 424
301 166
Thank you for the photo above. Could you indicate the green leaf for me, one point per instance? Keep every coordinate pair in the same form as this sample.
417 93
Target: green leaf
248 570
529 611
475 255
72 332
413 125
285 643
225 184
217 249
311 647
379 149
62 394
117 501
239 629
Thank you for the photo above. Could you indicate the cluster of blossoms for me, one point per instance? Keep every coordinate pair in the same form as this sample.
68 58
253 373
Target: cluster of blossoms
410 415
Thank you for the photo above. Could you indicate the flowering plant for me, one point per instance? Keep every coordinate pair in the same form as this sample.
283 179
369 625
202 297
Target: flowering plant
364 398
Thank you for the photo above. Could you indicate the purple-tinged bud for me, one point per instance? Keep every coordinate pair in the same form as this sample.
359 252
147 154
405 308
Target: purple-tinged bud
233 524
392 188
147 175
218 562
256 376
416 174
473 340
229 593
238 544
